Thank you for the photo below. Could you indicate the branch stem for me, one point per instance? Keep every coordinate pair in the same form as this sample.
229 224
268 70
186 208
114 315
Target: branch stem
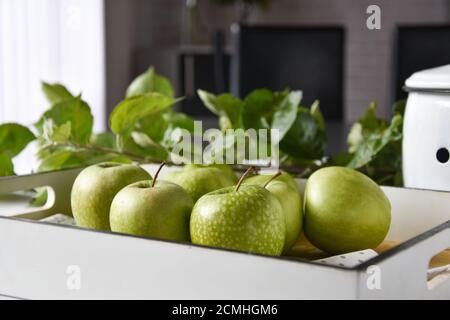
245 175
157 173
276 175
143 159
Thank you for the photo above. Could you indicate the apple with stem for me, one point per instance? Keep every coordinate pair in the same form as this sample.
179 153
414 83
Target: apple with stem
157 209
198 180
94 189
246 218
285 189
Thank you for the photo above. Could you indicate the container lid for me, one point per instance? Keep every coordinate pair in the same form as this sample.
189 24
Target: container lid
430 79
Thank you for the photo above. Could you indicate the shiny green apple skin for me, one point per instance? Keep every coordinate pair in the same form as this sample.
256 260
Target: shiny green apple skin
200 180
345 211
285 189
226 169
162 211
94 189
248 220
284 177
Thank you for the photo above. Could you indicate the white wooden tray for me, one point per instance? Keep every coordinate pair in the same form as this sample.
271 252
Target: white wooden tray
47 261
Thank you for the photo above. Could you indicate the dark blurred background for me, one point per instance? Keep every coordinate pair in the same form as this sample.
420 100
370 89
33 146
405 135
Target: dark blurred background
321 46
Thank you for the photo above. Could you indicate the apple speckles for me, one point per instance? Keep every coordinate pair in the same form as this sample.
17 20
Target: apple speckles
199 180
249 220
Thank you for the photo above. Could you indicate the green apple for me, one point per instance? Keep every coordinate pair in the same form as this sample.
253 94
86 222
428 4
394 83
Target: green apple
262 179
159 211
198 180
345 211
94 189
285 189
249 219
226 169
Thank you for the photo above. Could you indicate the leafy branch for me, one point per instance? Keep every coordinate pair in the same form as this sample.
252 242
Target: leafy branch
374 143
142 127
91 148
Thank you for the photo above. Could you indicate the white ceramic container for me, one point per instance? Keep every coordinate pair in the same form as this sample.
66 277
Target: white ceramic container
426 142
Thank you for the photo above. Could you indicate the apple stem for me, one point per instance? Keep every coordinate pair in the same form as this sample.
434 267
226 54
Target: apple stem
157 173
245 175
279 173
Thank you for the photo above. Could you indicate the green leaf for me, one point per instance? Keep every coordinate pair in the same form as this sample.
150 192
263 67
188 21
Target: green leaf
156 132
285 113
40 197
75 111
355 137
375 146
366 125
176 121
104 140
365 153
305 141
374 143
150 82
370 137
399 107
125 116
89 158
369 120
141 145
143 140
266 110
14 138
394 131
226 106
6 165
258 107
58 160
56 134
153 126
317 114
64 157
179 120
341 159
56 93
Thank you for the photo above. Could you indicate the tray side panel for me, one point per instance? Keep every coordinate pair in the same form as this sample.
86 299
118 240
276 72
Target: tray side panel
40 261
416 211
403 275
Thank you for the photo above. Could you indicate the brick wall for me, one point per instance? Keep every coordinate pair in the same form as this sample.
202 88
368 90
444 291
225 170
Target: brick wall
369 52
158 24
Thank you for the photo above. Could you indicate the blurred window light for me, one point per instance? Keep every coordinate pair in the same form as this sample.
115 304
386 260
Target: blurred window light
53 41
